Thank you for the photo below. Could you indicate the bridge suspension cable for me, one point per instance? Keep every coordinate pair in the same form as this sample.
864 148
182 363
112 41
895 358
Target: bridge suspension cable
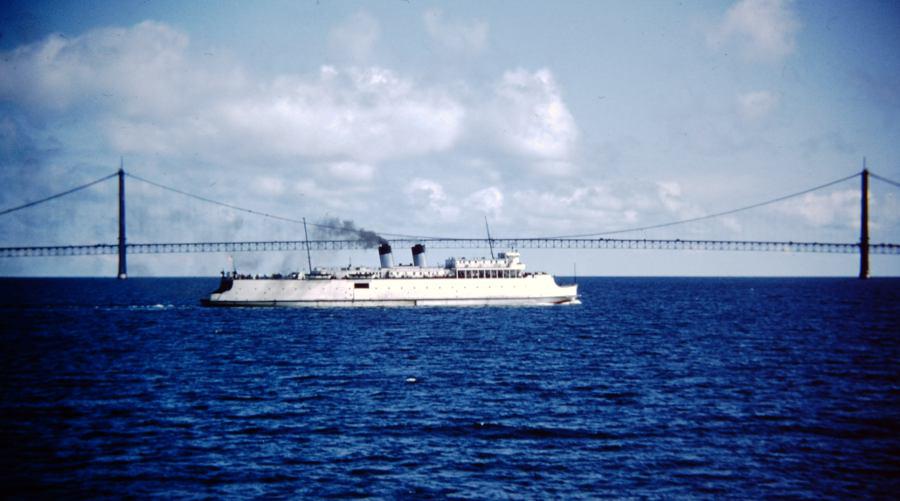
570 241
58 195
331 227
711 216
884 179
575 236
260 213
211 201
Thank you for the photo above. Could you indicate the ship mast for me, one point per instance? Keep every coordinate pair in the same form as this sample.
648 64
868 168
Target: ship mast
308 257
490 242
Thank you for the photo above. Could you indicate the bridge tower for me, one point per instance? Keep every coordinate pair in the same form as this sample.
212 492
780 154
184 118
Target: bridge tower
123 273
864 225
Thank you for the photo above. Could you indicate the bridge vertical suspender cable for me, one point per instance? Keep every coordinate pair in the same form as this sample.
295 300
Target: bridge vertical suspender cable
571 241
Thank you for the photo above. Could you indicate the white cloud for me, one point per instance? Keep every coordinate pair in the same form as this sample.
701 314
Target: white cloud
557 168
356 37
270 186
762 29
568 208
731 223
330 198
597 208
669 193
835 209
605 208
353 172
429 194
175 103
133 69
289 144
432 189
670 196
170 103
456 35
366 114
755 105
488 200
530 117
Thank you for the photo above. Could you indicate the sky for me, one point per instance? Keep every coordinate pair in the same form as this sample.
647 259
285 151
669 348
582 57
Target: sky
425 118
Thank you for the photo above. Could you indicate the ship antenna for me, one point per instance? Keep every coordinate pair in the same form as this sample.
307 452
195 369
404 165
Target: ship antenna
490 242
308 257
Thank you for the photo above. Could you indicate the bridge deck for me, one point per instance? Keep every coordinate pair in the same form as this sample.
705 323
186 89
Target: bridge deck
450 243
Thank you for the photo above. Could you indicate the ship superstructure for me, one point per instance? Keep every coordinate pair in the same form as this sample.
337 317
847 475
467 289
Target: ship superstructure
460 281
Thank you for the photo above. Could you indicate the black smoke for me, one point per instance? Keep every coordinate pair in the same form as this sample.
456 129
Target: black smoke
342 228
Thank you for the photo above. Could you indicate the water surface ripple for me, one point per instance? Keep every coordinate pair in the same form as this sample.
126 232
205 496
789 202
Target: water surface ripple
651 388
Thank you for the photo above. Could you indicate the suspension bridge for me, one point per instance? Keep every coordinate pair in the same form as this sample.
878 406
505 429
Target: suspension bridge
582 241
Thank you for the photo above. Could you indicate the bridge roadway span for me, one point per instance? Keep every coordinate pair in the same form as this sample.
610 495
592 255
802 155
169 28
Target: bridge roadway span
451 243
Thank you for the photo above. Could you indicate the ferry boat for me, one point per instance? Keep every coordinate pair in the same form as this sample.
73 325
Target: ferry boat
460 282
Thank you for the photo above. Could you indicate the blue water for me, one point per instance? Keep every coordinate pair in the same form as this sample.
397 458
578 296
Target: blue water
651 388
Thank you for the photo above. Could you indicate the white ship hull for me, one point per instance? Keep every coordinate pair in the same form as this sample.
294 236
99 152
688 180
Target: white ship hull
530 290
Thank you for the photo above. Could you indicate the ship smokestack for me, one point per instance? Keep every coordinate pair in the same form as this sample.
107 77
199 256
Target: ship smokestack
418 251
384 252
